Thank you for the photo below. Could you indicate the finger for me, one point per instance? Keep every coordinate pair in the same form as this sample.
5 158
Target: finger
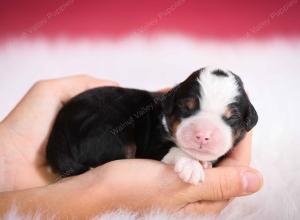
69 87
223 183
204 207
164 90
241 154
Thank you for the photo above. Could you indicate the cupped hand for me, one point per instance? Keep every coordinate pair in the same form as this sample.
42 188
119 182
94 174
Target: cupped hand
143 184
133 184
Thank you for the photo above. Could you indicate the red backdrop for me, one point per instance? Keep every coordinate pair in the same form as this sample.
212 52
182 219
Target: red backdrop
93 18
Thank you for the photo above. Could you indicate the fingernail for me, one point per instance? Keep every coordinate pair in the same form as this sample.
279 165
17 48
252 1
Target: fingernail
251 182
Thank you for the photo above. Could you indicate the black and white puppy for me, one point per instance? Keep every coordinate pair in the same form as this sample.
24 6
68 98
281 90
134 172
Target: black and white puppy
200 119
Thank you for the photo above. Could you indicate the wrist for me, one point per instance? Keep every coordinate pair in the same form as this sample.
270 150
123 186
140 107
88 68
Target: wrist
85 196
80 196
66 199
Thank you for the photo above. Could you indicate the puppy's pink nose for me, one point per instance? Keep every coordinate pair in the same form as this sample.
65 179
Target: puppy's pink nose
203 138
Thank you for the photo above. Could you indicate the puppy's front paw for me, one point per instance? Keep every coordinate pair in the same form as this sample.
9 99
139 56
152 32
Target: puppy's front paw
189 170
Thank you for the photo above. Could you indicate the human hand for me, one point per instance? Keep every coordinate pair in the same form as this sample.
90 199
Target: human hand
212 196
136 185
24 132
143 184
139 185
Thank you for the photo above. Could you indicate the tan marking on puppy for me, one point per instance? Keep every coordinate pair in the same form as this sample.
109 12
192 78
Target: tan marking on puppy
237 135
191 103
174 124
228 112
130 151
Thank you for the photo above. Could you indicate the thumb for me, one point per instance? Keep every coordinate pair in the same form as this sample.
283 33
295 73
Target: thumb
223 183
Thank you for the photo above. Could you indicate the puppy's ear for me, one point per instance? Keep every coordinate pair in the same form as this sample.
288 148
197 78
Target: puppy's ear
251 117
171 97
168 101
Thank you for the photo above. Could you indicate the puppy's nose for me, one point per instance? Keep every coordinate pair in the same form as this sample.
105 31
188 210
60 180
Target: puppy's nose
203 138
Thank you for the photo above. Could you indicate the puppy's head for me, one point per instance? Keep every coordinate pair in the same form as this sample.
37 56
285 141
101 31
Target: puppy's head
208 113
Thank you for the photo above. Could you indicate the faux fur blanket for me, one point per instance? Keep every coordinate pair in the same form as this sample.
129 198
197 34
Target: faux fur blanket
270 70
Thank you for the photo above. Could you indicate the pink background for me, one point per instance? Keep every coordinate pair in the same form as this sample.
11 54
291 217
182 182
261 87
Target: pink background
230 19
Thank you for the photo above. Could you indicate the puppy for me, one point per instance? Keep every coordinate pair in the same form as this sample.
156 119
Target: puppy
200 119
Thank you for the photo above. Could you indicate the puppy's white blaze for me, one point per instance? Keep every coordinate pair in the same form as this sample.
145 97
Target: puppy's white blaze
216 91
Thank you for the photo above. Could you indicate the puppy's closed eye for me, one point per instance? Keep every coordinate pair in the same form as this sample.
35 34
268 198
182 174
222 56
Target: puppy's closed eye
189 103
188 106
232 115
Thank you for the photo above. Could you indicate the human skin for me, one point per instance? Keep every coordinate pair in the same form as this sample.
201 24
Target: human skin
132 184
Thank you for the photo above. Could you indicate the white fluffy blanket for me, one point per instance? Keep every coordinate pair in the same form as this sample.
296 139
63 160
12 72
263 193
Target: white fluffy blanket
270 70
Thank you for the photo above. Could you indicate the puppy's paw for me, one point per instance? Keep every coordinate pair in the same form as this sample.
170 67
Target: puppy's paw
189 170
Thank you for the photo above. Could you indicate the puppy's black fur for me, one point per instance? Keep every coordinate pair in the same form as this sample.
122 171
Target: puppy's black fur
106 124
